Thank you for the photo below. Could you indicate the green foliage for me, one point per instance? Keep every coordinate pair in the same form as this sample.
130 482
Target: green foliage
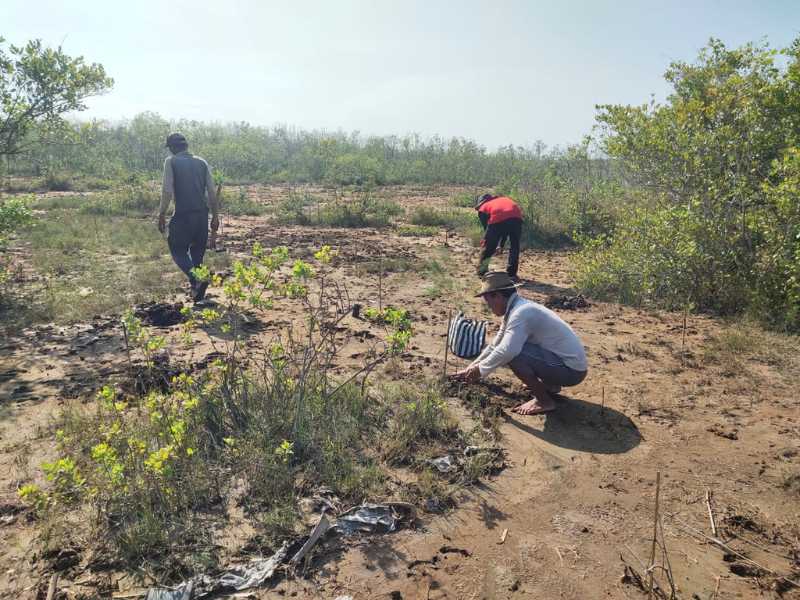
37 86
155 465
417 230
362 210
14 214
718 161
398 320
242 204
449 218
422 419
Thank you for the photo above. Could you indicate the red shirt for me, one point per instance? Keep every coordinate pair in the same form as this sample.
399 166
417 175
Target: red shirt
501 209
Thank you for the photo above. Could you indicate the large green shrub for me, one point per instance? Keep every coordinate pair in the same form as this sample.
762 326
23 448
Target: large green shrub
717 163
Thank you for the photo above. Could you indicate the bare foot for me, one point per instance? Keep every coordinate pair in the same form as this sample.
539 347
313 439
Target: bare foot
534 407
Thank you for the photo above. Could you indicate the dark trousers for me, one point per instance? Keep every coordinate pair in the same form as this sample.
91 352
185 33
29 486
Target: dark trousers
511 228
188 236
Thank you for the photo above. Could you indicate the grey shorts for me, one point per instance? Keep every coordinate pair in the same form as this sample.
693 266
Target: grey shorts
547 366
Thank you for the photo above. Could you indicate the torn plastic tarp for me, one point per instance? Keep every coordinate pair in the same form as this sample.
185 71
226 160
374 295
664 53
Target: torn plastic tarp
443 464
374 518
237 578
367 518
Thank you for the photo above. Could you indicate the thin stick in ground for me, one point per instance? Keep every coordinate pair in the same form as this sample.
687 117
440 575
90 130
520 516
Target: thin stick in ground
655 535
447 343
711 514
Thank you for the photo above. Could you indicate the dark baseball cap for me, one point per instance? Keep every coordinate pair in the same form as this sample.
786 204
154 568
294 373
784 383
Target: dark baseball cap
483 199
176 139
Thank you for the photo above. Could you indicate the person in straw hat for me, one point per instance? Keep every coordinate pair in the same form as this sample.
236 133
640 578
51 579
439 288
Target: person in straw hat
534 342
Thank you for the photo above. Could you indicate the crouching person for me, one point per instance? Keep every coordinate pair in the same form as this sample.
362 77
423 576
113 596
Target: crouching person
533 341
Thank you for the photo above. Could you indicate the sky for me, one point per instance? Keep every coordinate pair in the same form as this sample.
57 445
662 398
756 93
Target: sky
496 71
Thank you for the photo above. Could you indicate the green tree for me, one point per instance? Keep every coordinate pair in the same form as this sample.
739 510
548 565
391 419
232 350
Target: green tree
38 85
703 156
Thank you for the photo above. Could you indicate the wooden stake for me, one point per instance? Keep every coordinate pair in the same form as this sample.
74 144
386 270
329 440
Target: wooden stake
603 402
380 282
716 588
683 339
655 535
447 343
51 589
711 514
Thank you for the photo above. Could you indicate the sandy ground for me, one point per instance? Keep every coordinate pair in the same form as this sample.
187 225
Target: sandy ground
576 501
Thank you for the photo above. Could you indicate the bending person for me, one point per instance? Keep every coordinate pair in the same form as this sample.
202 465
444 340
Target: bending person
501 218
533 341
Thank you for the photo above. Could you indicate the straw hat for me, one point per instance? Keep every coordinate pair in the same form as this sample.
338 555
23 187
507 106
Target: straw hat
494 281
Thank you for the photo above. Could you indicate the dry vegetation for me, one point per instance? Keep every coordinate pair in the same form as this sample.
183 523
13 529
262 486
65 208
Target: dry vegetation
190 440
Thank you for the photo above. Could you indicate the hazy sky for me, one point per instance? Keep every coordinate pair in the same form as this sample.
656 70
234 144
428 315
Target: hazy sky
499 72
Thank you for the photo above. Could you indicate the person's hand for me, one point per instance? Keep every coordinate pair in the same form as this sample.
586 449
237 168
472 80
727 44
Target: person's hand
468 375
214 222
162 223
483 243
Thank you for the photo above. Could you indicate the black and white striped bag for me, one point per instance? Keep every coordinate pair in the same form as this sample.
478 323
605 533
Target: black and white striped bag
466 336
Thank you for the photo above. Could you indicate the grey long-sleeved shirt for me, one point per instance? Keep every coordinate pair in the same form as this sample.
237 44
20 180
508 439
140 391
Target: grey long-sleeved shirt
529 322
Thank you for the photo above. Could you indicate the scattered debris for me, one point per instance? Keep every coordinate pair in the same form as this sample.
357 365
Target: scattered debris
453 463
237 578
567 302
375 518
454 550
443 464
503 536
716 429
316 534
632 577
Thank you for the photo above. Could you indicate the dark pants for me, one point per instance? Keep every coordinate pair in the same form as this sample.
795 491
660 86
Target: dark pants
547 366
188 236
512 228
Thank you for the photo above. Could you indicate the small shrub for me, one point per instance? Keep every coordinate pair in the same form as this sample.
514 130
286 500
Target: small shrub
417 230
422 420
58 182
450 218
242 205
464 201
360 211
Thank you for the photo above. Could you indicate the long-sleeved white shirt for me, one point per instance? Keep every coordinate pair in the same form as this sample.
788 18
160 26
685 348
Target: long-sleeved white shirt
529 322
168 187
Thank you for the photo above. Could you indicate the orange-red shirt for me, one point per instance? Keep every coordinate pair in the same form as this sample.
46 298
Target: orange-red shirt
501 209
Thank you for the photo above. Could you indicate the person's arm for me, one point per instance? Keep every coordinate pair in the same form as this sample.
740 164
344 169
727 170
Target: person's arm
483 217
213 201
514 338
167 193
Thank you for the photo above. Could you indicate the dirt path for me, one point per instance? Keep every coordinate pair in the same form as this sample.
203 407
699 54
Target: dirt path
578 492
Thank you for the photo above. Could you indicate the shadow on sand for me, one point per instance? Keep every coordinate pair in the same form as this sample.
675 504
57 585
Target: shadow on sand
584 427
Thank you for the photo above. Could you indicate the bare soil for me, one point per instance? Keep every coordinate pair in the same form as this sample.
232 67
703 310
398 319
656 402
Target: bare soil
575 503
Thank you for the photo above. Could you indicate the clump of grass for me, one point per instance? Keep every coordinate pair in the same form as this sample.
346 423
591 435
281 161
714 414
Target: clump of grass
58 182
740 343
417 230
241 204
293 209
450 218
441 283
463 201
92 262
360 211
422 423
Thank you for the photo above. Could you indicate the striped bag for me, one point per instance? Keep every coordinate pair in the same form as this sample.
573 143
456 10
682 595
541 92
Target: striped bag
466 336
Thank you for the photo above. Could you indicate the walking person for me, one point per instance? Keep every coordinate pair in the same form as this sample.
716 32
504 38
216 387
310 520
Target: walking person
188 181
501 218
534 342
